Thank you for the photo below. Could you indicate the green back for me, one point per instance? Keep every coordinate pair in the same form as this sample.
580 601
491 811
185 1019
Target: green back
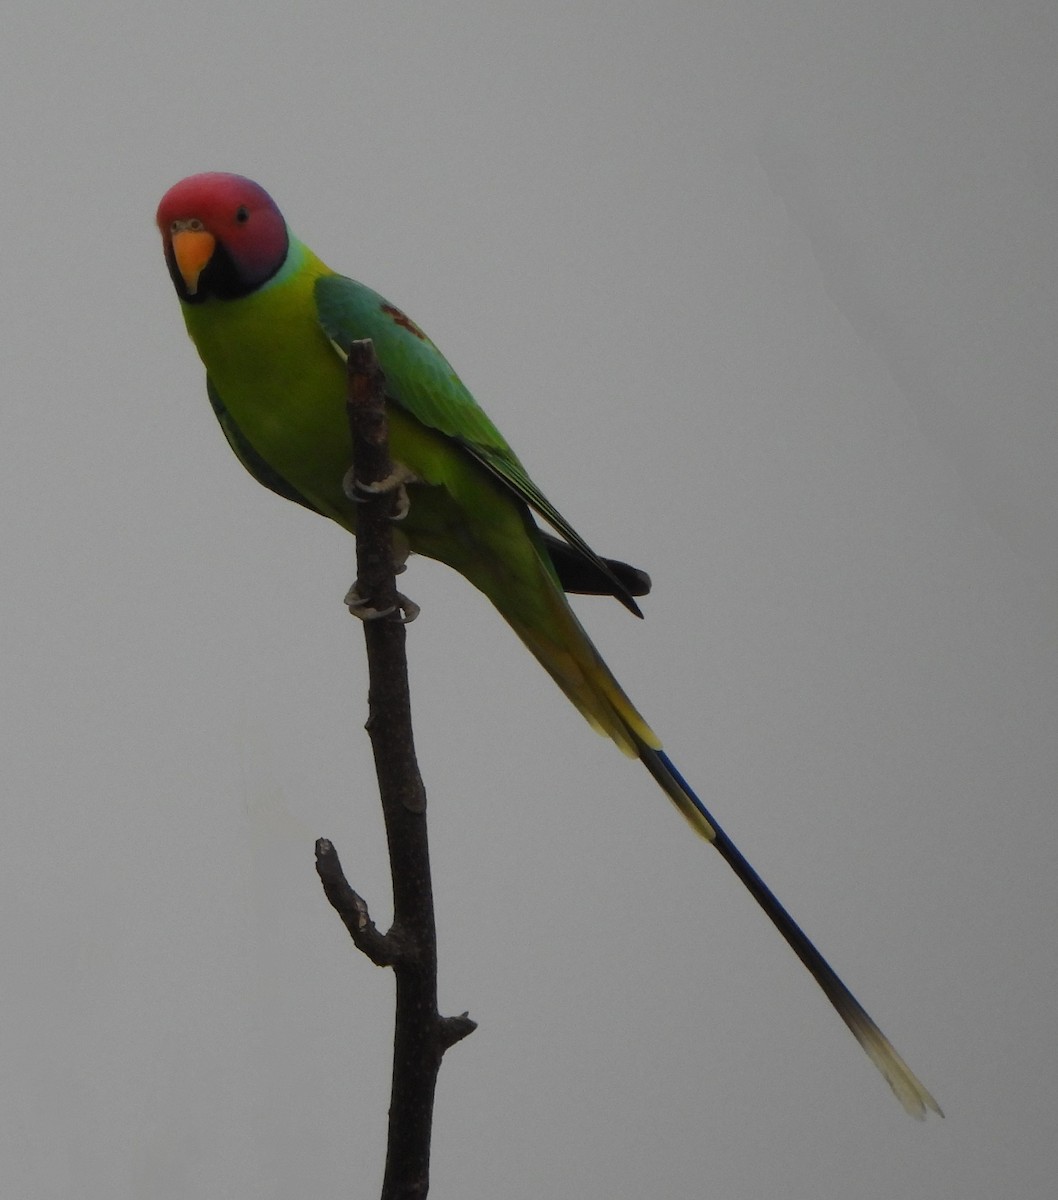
420 380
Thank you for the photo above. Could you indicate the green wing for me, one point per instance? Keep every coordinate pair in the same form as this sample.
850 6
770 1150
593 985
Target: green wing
421 381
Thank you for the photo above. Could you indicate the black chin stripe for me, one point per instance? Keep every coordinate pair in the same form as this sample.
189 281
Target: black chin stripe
221 278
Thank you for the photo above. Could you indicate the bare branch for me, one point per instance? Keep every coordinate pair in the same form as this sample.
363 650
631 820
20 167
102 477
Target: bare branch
421 1035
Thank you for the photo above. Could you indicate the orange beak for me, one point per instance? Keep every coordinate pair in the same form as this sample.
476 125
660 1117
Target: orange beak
192 249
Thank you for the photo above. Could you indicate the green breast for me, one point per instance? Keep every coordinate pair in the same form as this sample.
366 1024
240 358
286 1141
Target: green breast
280 380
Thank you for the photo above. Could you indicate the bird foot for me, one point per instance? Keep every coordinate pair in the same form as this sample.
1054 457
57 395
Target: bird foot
362 608
395 481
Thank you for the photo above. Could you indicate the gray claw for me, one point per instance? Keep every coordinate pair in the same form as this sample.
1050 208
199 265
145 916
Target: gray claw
409 610
359 492
363 609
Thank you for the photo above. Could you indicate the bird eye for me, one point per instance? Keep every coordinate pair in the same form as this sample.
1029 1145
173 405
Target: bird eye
242 214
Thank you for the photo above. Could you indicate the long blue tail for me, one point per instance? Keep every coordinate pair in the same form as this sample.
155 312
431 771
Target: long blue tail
909 1091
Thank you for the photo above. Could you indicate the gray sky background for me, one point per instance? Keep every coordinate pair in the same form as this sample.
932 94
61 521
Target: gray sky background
765 296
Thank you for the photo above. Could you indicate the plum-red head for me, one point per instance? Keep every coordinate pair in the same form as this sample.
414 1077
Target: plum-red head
223 236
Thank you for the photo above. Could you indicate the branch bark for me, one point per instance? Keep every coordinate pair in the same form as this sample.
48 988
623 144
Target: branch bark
421 1035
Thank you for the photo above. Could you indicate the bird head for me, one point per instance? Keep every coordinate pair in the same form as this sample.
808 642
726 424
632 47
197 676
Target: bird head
223 236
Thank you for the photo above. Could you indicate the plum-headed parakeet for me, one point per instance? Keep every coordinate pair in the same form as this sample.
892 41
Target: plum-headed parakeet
272 324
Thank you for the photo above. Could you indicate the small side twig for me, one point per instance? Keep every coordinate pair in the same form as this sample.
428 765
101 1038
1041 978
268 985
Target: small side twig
421 1035
351 907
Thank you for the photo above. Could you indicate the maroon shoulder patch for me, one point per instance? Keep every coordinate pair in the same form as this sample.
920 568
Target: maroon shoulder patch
404 321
